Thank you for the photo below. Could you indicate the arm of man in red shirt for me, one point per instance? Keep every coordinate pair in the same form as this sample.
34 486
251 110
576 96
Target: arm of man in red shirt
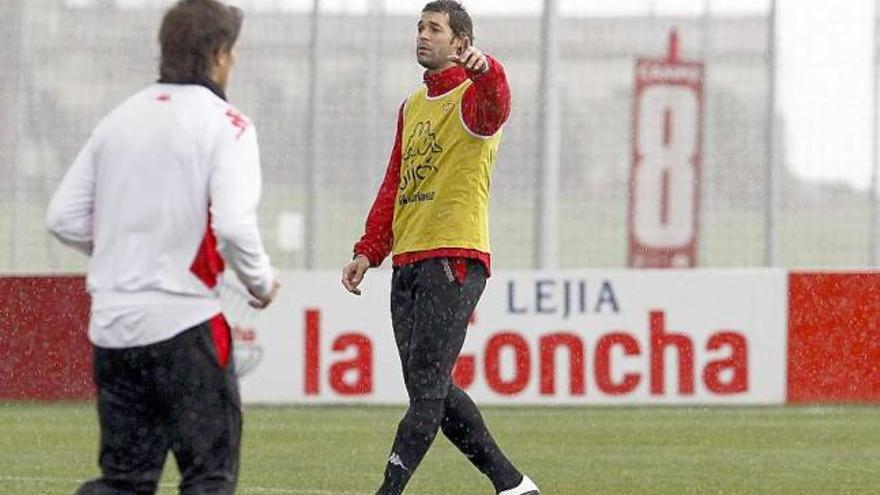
485 106
375 244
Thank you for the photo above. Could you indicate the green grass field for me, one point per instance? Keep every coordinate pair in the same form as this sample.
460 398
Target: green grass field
49 449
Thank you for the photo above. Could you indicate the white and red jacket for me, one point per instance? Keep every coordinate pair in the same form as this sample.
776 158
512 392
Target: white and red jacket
167 178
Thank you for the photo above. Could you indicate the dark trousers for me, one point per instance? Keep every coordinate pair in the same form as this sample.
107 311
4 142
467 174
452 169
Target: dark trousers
430 309
173 395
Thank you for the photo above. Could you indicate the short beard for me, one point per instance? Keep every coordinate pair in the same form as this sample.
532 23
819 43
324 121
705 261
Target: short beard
428 64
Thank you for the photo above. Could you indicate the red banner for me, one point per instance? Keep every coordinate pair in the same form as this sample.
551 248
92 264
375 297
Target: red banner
834 337
44 349
830 350
664 195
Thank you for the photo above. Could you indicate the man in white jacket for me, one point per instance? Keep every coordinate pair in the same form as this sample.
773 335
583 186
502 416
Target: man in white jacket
162 196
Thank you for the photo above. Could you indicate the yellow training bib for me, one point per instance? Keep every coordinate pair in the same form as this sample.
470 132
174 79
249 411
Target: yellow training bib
445 170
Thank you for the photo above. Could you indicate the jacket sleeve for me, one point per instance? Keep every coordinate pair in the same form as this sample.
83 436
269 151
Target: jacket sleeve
485 106
70 214
235 187
378 236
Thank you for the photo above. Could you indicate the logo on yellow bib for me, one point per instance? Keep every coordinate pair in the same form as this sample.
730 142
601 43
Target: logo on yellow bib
421 149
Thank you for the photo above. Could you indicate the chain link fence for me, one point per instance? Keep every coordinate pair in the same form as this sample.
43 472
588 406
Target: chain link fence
68 63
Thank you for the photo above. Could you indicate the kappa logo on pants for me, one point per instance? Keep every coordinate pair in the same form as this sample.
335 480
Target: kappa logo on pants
395 460
447 270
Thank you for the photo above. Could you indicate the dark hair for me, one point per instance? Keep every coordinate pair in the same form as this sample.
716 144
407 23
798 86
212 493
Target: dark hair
192 32
459 19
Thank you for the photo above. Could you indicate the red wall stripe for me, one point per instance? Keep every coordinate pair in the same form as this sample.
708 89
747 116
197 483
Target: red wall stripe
834 337
44 349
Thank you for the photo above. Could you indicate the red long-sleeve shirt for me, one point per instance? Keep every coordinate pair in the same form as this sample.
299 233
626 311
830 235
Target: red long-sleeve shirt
485 107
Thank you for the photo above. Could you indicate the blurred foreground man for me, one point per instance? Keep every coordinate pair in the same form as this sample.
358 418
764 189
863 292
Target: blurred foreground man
431 212
168 181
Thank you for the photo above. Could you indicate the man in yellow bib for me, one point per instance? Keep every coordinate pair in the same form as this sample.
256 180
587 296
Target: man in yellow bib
431 213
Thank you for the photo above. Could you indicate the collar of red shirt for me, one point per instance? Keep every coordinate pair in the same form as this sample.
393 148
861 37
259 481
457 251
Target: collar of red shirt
444 81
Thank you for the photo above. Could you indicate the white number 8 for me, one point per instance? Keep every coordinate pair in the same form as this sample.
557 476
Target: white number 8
667 140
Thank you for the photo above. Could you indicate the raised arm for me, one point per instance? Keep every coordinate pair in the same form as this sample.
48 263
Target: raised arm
486 104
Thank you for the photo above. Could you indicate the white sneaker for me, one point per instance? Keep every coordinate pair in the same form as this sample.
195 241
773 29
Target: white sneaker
526 487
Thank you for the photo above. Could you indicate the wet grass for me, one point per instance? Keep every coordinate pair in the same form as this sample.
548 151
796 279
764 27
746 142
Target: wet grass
49 449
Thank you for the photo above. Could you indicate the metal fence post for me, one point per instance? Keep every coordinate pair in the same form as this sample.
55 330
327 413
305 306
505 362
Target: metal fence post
772 176
546 226
311 167
874 206
11 98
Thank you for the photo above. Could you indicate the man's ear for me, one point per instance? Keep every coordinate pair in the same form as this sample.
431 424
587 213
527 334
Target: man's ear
222 57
